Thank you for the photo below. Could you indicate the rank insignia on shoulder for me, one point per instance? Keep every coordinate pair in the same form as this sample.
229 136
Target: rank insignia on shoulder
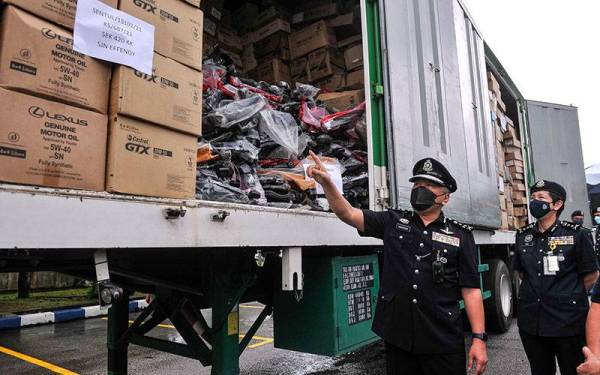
463 226
525 228
404 221
568 224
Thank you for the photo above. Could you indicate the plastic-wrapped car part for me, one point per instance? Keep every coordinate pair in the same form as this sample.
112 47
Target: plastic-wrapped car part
361 129
282 128
208 188
241 149
312 116
342 119
250 184
351 181
306 91
235 112
214 76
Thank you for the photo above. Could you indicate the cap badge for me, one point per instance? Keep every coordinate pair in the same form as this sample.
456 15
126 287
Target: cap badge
540 183
427 166
404 221
529 238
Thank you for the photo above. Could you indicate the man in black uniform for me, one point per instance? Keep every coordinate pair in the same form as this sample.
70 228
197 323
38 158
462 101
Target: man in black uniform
591 366
430 262
577 217
596 220
557 266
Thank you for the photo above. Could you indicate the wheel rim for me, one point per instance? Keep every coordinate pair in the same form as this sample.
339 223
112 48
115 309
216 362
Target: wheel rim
505 295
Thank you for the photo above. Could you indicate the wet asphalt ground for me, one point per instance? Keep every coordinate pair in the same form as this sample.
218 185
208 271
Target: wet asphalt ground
79 347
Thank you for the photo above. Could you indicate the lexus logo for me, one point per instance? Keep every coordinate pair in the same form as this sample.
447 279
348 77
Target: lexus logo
48 33
37 112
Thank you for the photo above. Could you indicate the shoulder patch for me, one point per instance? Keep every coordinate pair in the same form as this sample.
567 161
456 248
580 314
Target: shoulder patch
526 228
570 225
461 225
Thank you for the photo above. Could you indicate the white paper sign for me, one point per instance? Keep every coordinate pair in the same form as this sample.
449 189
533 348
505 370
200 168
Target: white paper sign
335 171
109 34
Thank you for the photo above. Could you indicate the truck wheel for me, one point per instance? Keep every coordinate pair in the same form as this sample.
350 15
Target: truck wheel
499 307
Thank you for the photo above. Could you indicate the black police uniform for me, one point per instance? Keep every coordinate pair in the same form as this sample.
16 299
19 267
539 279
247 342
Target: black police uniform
418 313
553 305
596 295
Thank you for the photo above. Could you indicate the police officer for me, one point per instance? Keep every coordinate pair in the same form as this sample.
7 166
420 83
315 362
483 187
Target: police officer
597 233
556 262
591 366
577 217
430 262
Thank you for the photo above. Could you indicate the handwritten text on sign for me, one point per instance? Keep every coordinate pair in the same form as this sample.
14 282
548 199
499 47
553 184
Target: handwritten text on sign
109 34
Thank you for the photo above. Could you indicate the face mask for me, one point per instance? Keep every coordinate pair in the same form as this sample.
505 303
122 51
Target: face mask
539 208
422 198
578 222
597 219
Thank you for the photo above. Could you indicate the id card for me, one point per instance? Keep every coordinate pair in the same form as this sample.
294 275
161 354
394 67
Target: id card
550 265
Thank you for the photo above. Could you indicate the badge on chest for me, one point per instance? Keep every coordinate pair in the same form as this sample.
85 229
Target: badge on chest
564 240
444 238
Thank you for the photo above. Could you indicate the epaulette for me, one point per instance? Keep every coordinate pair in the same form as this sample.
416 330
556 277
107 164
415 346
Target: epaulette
463 226
526 228
570 225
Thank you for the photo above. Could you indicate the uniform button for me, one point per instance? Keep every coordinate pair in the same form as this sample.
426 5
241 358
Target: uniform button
538 300
539 262
425 232
524 250
541 251
401 237
421 244
416 272
574 302
415 301
539 274
415 287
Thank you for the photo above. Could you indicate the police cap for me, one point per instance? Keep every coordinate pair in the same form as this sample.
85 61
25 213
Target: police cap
551 187
432 170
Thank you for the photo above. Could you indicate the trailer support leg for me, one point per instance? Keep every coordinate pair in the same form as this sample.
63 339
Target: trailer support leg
118 323
225 339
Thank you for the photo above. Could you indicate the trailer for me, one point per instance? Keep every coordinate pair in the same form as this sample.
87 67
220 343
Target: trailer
426 65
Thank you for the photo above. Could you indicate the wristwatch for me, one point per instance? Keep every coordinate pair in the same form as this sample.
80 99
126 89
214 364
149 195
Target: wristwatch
481 336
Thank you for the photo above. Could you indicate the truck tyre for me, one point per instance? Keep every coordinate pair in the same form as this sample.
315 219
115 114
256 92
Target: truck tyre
499 307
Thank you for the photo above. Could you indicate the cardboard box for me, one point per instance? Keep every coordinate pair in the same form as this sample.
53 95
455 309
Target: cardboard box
353 57
343 100
332 83
517 196
315 13
278 43
321 63
347 25
171 96
501 105
269 14
275 26
178 32
61 12
145 159
273 70
519 187
348 42
502 203
504 220
213 8
493 84
37 57
244 16
209 27
47 143
520 211
519 176
195 3
355 80
513 155
515 169
234 55
249 60
229 38
513 142
310 38
510 133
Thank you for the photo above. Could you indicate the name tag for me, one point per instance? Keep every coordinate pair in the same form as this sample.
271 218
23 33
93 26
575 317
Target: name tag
443 238
565 240
402 227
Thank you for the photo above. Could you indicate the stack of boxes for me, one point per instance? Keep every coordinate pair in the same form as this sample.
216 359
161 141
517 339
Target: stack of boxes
53 100
58 127
509 156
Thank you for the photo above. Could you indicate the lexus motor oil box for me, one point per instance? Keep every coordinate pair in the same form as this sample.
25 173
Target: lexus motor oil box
146 159
37 57
61 12
47 143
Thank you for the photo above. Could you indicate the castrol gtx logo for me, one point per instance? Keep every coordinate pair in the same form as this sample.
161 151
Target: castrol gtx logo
39 112
137 145
145 6
50 34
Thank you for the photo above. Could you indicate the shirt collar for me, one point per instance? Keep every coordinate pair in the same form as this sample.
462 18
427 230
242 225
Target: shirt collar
415 218
550 230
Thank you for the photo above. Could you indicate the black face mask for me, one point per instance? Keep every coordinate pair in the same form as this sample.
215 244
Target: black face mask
538 208
422 198
578 221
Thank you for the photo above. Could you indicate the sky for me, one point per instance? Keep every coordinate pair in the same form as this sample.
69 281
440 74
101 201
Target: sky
551 50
